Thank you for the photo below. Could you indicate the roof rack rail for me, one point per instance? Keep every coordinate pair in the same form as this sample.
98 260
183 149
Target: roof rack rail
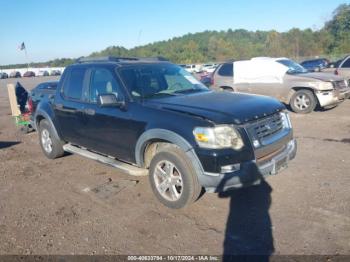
118 59
156 58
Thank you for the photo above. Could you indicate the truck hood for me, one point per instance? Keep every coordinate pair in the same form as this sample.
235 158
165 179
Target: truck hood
327 77
221 107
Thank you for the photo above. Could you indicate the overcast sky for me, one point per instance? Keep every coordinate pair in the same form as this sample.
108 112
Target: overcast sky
73 28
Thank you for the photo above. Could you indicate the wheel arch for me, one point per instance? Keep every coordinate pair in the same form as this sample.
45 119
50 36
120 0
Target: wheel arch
157 137
298 88
42 115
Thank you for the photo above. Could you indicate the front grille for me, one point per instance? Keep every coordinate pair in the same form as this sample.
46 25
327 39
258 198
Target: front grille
340 84
267 127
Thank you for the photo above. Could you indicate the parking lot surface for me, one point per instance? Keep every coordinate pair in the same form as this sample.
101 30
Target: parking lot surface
74 205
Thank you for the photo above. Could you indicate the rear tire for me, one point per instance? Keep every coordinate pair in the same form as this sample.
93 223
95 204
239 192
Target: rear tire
303 101
51 145
173 178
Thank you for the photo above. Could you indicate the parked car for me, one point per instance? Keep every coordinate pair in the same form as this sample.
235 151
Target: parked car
15 74
209 68
150 117
283 79
3 75
335 64
43 73
315 65
55 73
193 68
344 68
43 89
29 74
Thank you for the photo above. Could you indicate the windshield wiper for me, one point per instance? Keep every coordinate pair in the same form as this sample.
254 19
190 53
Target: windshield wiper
159 94
190 90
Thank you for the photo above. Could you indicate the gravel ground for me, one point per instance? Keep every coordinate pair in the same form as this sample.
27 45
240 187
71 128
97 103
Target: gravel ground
74 205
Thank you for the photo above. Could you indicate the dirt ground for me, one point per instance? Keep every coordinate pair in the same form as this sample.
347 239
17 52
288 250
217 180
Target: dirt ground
74 205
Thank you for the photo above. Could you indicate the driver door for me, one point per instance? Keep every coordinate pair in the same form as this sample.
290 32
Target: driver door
107 129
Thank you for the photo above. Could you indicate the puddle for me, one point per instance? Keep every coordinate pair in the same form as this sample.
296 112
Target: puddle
111 188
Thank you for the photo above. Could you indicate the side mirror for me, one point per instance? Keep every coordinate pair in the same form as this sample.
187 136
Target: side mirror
110 100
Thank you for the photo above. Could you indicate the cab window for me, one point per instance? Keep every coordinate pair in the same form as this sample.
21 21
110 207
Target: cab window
102 82
73 85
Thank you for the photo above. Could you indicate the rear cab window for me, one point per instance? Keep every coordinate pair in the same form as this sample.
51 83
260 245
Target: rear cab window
48 86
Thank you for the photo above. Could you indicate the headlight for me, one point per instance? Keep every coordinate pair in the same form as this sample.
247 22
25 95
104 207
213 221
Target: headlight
218 137
322 85
286 120
327 86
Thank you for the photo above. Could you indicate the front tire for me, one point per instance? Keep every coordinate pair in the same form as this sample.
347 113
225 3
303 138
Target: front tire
51 145
173 178
303 102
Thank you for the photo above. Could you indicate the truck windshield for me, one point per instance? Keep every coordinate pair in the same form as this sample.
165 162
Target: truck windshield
294 68
160 80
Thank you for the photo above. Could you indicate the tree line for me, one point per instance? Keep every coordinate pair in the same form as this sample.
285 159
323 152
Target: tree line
332 40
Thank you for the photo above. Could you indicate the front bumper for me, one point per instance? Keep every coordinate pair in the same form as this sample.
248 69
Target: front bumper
331 98
250 172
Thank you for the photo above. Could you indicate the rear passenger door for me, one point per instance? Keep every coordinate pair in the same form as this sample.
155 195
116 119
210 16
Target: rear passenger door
68 105
344 69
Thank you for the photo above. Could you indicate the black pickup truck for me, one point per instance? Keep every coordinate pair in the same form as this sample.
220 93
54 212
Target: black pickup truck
147 116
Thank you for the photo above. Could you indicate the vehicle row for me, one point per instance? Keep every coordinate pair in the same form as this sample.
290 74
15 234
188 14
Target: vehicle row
17 74
199 68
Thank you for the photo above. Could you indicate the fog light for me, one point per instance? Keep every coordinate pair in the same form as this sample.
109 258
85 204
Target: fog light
230 168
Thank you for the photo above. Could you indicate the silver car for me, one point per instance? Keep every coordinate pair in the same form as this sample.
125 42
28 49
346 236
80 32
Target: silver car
344 68
300 89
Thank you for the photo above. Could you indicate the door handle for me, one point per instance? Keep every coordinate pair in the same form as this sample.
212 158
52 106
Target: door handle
59 106
89 111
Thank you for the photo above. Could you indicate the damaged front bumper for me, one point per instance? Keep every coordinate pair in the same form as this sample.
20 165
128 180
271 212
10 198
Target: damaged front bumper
332 97
250 172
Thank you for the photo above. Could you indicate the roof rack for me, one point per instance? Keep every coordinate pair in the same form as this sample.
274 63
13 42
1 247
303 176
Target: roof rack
118 59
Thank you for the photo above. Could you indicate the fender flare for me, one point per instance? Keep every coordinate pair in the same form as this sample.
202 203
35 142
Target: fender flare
163 134
297 88
43 114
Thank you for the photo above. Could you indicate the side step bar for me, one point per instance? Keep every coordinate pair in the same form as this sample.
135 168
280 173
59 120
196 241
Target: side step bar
121 166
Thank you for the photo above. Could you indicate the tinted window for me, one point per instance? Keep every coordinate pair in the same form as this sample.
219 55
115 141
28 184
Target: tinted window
346 64
102 82
51 86
74 84
226 70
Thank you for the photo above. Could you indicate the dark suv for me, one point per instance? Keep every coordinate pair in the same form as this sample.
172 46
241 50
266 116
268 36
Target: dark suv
149 116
